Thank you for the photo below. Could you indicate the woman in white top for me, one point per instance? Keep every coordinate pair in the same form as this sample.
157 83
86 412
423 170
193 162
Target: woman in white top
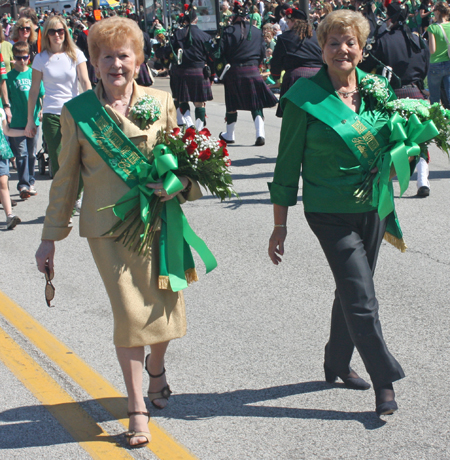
60 66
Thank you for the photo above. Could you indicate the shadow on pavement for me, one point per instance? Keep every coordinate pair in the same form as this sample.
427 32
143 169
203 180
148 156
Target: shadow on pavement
239 404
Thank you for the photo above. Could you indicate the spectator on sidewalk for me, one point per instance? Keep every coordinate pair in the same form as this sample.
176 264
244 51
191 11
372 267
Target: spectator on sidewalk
24 148
5 155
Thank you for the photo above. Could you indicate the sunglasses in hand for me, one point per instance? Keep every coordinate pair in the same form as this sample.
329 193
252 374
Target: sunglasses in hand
49 288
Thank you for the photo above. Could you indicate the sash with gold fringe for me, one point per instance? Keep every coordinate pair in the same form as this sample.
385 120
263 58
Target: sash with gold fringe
177 268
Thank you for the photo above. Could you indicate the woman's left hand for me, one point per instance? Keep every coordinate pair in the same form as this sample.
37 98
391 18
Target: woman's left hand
158 187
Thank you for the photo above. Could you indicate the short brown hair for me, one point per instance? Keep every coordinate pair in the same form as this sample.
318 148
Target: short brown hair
21 48
343 21
443 9
114 32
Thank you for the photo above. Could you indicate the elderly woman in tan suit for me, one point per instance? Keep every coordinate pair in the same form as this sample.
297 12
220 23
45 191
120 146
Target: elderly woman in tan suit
143 314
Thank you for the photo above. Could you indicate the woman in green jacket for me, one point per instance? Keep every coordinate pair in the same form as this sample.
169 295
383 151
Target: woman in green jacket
332 133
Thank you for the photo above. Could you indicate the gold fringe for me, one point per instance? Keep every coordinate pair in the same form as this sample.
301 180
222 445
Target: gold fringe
190 274
163 282
399 244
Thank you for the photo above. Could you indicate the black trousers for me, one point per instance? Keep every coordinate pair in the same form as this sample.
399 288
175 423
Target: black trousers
351 243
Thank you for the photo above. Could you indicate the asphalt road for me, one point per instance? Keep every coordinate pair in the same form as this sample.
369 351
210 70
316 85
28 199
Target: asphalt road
247 378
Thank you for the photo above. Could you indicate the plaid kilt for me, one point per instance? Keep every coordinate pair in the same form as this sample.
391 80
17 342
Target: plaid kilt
290 77
410 91
191 86
246 90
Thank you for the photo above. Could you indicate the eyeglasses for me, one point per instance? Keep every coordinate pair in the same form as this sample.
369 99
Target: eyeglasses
25 29
22 58
53 32
49 288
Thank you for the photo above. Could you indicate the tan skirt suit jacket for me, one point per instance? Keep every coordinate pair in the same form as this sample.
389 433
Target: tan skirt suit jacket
143 313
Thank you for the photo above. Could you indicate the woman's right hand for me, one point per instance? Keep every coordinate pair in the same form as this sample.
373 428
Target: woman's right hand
30 130
276 244
44 254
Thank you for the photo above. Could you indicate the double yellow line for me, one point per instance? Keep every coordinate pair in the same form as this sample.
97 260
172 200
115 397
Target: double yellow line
60 404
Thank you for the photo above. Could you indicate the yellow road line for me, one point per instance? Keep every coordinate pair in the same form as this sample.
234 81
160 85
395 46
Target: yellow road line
162 444
80 425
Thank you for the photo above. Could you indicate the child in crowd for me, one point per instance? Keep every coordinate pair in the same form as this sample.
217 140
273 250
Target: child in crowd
24 148
5 155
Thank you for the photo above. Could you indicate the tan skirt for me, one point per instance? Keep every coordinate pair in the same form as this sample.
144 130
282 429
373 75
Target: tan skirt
143 313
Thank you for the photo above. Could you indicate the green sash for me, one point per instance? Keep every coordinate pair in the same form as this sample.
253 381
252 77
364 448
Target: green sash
369 147
177 266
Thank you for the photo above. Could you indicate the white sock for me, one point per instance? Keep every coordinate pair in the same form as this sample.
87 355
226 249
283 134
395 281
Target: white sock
180 119
229 135
259 125
188 119
422 174
199 124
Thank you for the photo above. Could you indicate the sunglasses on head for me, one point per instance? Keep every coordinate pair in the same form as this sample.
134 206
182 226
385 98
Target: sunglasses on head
49 288
53 32
22 58
25 29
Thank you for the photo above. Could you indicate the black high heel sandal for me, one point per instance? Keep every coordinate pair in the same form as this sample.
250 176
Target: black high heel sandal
164 393
349 382
385 400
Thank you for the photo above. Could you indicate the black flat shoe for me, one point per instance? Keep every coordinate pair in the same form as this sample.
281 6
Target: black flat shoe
350 382
224 139
260 141
385 400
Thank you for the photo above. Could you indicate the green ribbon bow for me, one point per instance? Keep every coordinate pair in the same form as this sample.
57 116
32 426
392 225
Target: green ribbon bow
404 142
176 234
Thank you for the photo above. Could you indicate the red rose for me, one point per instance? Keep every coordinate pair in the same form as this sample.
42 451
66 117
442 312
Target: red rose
191 148
205 155
186 7
205 132
175 131
181 15
225 152
289 12
227 162
189 134
222 143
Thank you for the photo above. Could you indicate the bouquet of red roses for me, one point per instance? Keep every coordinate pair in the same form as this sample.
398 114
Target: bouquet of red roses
194 154
203 158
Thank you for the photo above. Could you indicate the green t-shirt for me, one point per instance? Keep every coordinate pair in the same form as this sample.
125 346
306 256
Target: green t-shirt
440 54
19 85
331 172
256 17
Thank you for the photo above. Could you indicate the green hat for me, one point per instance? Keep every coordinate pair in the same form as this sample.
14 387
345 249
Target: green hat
160 31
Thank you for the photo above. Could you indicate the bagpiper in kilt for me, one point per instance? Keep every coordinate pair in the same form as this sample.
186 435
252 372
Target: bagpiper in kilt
297 52
191 76
243 48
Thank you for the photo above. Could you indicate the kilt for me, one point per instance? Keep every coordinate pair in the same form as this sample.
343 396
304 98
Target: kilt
290 77
191 86
245 89
411 91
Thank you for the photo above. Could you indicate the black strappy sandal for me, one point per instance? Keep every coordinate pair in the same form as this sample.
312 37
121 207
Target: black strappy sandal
164 393
129 435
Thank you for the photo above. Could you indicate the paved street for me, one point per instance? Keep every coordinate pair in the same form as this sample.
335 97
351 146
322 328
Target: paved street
248 377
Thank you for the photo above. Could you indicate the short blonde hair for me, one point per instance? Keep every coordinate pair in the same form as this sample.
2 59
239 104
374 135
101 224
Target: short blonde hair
24 22
342 21
69 46
114 32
